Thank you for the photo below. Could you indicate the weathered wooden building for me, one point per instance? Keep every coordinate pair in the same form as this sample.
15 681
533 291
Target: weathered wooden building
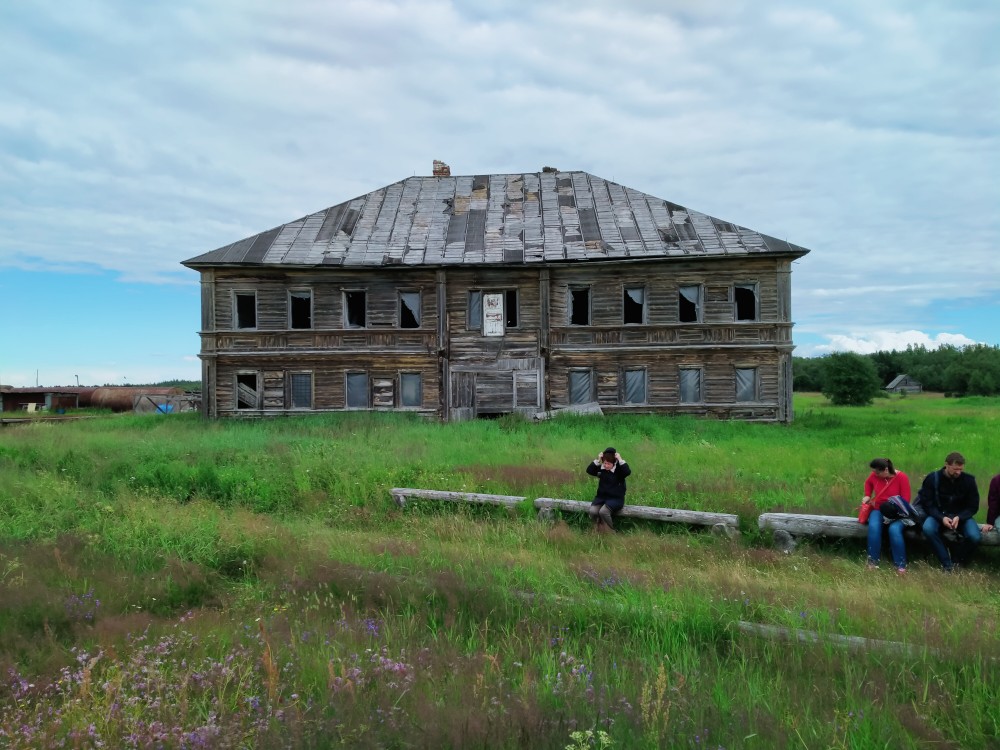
459 297
904 384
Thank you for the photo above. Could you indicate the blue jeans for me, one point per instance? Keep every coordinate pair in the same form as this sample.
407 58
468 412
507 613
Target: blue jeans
969 538
896 543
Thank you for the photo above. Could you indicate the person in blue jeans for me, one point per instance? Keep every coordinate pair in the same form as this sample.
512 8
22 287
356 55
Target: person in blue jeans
951 499
885 482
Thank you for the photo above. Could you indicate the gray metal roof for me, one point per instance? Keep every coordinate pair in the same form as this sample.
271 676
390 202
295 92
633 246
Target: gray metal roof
537 217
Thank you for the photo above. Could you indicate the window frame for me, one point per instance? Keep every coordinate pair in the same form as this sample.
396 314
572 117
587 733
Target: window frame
589 372
700 370
645 386
292 374
418 315
571 307
754 287
237 293
756 384
258 377
699 311
291 318
348 374
644 305
346 309
476 323
402 391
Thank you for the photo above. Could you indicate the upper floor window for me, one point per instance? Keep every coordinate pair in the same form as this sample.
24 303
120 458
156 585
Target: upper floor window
690 382
581 386
510 308
409 309
634 304
355 309
689 304
745 302
245 309
475 313
746 384
300 308
634 391
502 311
300 390
579 306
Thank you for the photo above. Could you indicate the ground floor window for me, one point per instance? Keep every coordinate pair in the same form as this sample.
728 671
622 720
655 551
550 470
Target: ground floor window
300 389
581 386
357 390
746 384
410 389
247 390
634 386
691 378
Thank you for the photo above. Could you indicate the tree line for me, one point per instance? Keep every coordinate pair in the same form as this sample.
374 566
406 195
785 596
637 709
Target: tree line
959 371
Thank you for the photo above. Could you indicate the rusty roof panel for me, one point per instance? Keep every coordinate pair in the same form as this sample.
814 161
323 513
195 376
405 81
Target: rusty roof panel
514 218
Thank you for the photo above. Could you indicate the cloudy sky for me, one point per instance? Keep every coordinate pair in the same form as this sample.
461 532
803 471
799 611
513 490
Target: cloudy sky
136 135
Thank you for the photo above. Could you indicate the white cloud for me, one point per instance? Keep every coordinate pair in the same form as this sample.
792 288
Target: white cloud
876 341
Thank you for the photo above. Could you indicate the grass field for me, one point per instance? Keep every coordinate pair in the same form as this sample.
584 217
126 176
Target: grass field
169 582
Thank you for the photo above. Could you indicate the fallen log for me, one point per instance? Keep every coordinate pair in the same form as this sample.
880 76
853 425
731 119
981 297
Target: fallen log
402 494
725 523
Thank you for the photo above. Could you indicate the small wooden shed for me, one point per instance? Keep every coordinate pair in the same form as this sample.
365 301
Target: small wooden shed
904 384
472 296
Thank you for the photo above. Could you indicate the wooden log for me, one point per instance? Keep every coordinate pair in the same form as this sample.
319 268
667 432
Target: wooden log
846 527
672 515
401 494
850 642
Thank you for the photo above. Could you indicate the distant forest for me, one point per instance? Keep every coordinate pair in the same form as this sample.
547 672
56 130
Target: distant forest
958 371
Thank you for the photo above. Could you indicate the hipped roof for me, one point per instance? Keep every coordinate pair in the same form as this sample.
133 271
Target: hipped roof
535 217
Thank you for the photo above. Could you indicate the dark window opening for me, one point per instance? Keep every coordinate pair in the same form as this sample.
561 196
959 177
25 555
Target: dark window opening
301 390
357 390
410 389
510 305
688 300
579 307
475 310
634 305
247 395
409 309
355 304
745 301
300 308
246 309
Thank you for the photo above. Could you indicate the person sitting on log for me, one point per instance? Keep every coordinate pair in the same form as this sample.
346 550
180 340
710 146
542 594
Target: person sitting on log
992 505
610 469
951 499
884 482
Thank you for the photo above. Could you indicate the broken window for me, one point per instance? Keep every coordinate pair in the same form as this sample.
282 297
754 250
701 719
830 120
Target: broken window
409 309
475 310
689 304
745 301
355 309
300 308
300 390
247 390
246 309
581 386
746 384
357 390
635 386
634 305
510 307
410 393
690 385
579 306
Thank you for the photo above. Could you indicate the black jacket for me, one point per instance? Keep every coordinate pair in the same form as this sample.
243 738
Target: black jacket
954 497
610 483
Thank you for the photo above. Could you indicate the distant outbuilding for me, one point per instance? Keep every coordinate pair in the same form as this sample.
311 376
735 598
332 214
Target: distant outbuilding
904 384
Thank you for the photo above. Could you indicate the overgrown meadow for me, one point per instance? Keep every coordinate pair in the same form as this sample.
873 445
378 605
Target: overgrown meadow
167 582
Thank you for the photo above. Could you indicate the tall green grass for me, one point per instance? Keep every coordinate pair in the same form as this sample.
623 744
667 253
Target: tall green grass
168 582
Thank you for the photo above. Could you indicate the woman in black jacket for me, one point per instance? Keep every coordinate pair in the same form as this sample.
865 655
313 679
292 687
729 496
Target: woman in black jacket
610 470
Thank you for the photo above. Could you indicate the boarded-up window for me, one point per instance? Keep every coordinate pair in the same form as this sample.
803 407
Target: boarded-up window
247 390
410 392
581 386
355 309
300 308
300 387
409 309
635 386
493 314
745 301
246 309
690 385
634 305
689 304
475 310
746 384
579 306
383 393
357 390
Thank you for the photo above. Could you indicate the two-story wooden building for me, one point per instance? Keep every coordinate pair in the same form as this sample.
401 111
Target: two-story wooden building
459 297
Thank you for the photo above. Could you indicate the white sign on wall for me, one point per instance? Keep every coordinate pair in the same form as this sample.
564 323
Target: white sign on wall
493 315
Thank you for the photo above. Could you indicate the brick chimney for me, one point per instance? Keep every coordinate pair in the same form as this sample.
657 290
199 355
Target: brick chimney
441 169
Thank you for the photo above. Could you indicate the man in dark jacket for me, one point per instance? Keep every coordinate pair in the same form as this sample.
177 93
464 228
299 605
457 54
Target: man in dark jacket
951 499
610 469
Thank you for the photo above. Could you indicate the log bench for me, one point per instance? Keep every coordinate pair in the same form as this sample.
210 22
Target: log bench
402 494
787 527
722 523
